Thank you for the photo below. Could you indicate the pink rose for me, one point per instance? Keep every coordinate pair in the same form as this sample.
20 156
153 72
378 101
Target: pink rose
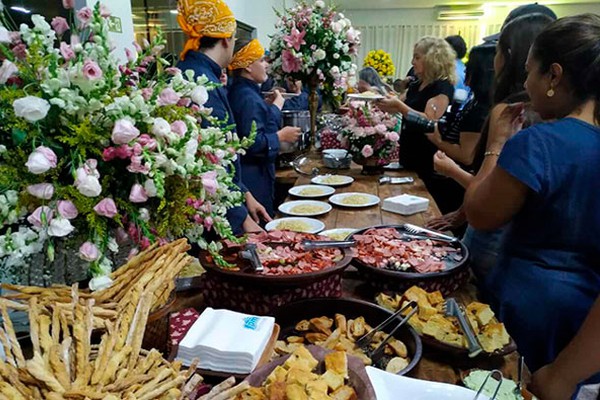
41 216
41 160
367 151
67 209
68 4
137 166
179 127
60 25
208 223
43 191
84 16
138 194
106 208
91 70
147 93
89 252
66 51
168 97
209 181
124 132
147 142
381 128
392 136
104 11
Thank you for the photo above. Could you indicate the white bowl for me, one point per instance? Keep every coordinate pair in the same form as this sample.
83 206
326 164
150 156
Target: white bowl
314 225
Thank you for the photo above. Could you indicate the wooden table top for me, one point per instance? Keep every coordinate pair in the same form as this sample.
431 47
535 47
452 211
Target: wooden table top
434 366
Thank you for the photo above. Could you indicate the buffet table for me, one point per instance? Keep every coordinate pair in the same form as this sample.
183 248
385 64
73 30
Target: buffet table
434 366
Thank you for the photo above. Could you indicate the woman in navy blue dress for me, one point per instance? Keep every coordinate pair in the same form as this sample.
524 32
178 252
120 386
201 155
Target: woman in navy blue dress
546 285
249 107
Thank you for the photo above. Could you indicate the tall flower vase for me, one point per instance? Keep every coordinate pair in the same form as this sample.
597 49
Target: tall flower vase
370 166
313 106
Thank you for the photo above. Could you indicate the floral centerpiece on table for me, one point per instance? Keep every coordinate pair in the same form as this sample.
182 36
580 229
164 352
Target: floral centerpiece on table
381 61
315 44
93 153
370 135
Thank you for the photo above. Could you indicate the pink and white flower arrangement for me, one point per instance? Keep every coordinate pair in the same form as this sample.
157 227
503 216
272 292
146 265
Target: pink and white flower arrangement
90 148
369 134
315 41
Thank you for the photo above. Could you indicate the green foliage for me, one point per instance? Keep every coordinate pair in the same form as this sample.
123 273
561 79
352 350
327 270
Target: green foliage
84 138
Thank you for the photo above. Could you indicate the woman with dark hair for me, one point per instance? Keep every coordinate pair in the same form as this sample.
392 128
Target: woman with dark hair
369 80
249 69
544 180
485 245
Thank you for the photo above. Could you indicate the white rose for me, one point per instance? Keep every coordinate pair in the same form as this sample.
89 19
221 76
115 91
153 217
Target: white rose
7 70
150 188
31 108
4 35
199 95
89 186
60 227
100 282
320 4
320 54
144 214
337 27
161 127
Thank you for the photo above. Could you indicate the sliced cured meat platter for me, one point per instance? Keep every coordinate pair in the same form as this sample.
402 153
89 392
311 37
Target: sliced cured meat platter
284 260
394 261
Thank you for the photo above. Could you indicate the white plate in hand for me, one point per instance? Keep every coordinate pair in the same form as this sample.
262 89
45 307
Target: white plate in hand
341 199
395 387
290 208
365 97
332 180
310 225
314 191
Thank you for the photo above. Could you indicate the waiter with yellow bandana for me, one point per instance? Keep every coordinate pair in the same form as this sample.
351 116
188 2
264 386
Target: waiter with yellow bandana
249 69
210 27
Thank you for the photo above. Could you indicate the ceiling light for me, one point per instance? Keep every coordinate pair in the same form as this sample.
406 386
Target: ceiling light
21 10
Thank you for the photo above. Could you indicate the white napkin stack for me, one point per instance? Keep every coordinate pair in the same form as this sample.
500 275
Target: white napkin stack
226 341
405 204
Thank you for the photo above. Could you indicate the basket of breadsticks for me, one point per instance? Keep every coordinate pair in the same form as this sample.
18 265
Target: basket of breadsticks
153 270
65 364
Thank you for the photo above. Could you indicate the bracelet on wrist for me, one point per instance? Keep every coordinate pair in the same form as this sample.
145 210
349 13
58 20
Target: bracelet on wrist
491 153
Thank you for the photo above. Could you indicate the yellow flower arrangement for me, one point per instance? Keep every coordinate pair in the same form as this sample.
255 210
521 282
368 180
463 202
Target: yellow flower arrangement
381 61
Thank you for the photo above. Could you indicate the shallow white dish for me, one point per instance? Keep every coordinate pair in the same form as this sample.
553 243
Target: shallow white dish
324 180
288 208
324 191
395 387
370 199
360 96
315 225
338 231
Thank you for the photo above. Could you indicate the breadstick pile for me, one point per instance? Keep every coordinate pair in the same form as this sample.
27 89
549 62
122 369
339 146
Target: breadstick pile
155 265
66 366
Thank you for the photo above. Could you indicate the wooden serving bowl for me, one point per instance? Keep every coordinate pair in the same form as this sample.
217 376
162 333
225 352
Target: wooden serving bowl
453 277
289 315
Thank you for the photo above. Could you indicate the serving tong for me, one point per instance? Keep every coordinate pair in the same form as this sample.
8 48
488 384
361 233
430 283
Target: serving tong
249 253
453 309
327 244
377 354
498 376
417 230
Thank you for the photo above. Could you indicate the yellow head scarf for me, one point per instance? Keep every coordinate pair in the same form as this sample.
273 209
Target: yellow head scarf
247 55
199 18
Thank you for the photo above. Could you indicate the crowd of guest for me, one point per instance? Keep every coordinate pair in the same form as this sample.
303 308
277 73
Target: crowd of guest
512 164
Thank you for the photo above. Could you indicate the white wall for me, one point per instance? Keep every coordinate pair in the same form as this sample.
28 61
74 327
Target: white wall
259 14
379 24
122 10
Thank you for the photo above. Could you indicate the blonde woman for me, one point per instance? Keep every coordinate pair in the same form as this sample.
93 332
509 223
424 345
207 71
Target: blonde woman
434 66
